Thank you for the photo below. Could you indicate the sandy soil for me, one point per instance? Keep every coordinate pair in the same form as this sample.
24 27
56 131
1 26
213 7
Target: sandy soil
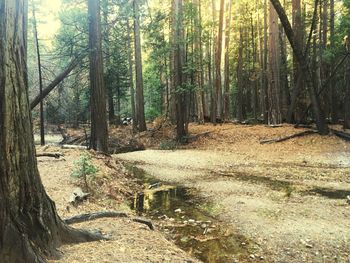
289 197
131 242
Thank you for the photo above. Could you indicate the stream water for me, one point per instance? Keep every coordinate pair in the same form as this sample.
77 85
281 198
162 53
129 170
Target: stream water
187 219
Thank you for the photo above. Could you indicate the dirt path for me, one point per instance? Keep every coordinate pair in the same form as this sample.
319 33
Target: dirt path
292 204
131 242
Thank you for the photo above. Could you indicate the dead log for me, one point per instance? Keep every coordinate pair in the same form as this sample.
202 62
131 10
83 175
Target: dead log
144 221
300 134
55 82
343 135
53 155
76 147
108 214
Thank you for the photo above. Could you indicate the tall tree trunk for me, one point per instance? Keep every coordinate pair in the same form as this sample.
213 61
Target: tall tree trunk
30 229
239 102
99 130
265 104
177 71
347 91
273 91
213 97
131 79
217 100
227 62
107 68
42 124
332 89
305 70
140 107
199 61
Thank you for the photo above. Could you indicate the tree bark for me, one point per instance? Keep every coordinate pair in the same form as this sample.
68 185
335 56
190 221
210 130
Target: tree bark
131 78
177 71
239 101
30 229
302 61
273 91
35 28
99 130
140 107
217 98
227 62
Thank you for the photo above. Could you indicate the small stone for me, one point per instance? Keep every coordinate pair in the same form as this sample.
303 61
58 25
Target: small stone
309 245
243 243
191 221
178 210
171 219
261 258
204 226
185 222
252 256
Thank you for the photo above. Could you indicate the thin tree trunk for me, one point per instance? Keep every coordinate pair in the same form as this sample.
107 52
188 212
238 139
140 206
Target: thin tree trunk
72 65
347 91
99 130
333 94
239 101
302 61
131 78
227 62
140 108
42 124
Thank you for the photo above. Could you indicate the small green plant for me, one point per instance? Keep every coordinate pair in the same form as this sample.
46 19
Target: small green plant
84 168
289 190
168 145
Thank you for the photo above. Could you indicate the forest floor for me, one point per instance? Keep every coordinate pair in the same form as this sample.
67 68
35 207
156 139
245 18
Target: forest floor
111 190
289 199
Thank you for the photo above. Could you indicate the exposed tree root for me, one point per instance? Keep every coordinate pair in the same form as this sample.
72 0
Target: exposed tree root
342 135
92 216
300 134
144 221
111 214
55 155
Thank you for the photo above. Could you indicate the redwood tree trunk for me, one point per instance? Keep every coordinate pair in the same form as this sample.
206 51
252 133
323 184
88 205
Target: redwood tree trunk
177 70
140 108
99 130
273 91
30 229
227 63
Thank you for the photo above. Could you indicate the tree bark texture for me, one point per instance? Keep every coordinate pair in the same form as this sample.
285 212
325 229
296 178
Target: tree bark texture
99 129
30 229
140 107
273 91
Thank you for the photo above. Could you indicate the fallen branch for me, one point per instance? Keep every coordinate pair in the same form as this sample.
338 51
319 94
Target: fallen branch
144 221
77 147
300 134
109 214
53 155
342 135
92 216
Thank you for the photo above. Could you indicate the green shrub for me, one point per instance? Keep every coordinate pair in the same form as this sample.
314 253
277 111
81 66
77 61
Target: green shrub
84 168
168 145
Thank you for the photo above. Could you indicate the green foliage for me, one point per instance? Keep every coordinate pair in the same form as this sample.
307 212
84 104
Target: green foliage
84 168
168 145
